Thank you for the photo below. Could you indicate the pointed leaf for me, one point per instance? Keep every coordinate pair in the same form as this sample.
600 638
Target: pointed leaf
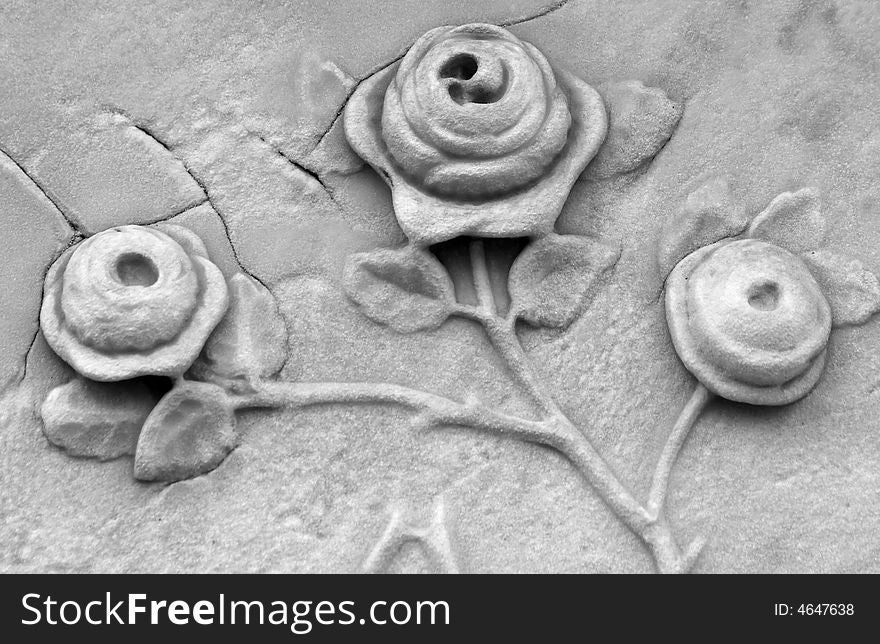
96 419
190 432
251 340
406 289
708 215
852 291
793 220
640 122
555 278
191 243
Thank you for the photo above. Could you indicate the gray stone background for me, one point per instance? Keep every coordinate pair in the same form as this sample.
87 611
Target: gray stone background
223 115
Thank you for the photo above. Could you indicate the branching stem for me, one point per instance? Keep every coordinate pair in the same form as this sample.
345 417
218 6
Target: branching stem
554 428
502 333
649 523
557 432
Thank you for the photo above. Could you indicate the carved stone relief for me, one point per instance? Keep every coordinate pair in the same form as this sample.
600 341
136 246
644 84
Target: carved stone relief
452 305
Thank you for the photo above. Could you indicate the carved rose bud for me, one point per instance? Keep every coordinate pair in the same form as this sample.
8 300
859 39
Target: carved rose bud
749 320
132 301
476 134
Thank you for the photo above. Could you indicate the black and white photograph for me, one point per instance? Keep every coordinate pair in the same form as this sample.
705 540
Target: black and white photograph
510 287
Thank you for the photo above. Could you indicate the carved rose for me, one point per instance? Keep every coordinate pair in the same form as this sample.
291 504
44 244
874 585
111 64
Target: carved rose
749 320
750 316
476 134
470 118
132 301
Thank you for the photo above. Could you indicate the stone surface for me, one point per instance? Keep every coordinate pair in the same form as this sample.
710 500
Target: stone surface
776 96
104 171
204 221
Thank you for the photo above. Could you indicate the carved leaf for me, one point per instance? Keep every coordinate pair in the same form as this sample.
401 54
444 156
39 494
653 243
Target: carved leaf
852 291
640 122
190 432
793 220
251 340
191 243
97 419
406 289
555 277
708 215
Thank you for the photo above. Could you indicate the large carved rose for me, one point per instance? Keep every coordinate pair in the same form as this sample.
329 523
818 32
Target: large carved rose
132 301
476 134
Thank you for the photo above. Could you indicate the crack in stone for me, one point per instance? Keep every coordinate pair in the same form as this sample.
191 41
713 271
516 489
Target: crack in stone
144 129
341 109
546 11
183 210
234 249
64 215
314 175
75 239
79 234
27 354
375 70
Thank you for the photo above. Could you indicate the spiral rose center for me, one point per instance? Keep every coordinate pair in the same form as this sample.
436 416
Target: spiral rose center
467 86
461 67
473 113
764 296
134 269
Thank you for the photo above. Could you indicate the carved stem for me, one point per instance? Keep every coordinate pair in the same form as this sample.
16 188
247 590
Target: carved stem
482 281
567 438
580 451
648 523
435 410
680 431
433 539
502 333
668 557
556 432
